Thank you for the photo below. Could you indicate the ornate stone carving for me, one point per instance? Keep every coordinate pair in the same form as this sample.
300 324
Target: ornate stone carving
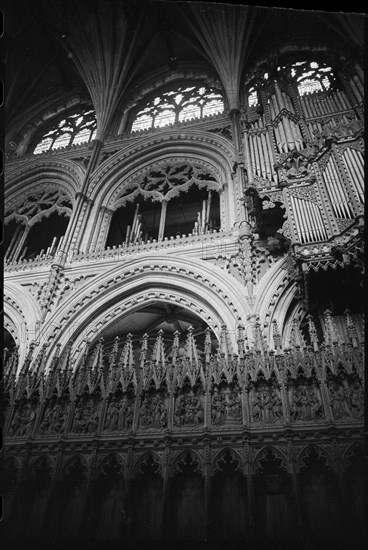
189 410
23 419
305 402
266 404
85 416
119 416
153 411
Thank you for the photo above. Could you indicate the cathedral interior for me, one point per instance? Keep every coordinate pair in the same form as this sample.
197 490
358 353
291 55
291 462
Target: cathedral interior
183 277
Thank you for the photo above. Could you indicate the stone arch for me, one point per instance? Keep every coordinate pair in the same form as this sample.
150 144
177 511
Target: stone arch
199 146
355 450
40 116
142 461
321 453
162 79
182 457
35 173
22 314
215 298
75 461
216 151
41 465
220 455
275 293
109 458
277 453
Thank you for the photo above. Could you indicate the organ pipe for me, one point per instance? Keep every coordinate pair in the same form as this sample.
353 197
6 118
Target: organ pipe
249 161
355 165
12 241
270 149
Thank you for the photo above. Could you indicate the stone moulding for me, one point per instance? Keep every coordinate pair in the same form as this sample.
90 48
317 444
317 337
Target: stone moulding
200 283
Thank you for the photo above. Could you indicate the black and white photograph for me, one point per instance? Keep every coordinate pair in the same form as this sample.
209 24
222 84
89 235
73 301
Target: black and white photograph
183 276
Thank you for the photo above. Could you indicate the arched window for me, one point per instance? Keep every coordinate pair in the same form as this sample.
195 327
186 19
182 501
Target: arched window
308 76
36 225
170 200
76 128
252 97
179 105
312 76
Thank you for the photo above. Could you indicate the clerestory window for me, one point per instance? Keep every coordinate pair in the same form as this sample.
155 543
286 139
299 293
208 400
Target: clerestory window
179 105
311 76
71 130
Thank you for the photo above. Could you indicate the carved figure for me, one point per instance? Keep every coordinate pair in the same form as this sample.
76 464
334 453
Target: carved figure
357 400
113 414
257 407
126 416
153 412
85 418
316 408
276 406
59 417
234 409
23 420
180 411
218 409
46 423
339 401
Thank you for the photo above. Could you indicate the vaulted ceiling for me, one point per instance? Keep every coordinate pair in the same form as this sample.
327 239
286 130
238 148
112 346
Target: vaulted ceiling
104 49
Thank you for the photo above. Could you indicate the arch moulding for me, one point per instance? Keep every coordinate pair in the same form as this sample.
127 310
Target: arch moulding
22 314
50 172
204 289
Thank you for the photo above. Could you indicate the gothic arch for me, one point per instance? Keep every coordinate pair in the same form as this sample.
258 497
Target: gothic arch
40 116
50 173
275 293
77 461
355 449
321 453
216 299
215 150
193 455
162 79
277 453
222 453
22 313
106 459
142 460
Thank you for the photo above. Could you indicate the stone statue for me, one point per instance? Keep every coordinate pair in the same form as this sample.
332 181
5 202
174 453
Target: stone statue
59 417
23 420
126 416
46 423
276 406
179 416
218 409
233 405
257 407
153 413
357 400
112 419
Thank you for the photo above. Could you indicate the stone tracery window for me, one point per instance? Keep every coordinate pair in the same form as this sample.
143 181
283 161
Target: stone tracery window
179 105
252 97
74 129
36 224
312 76
309 77
189 197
